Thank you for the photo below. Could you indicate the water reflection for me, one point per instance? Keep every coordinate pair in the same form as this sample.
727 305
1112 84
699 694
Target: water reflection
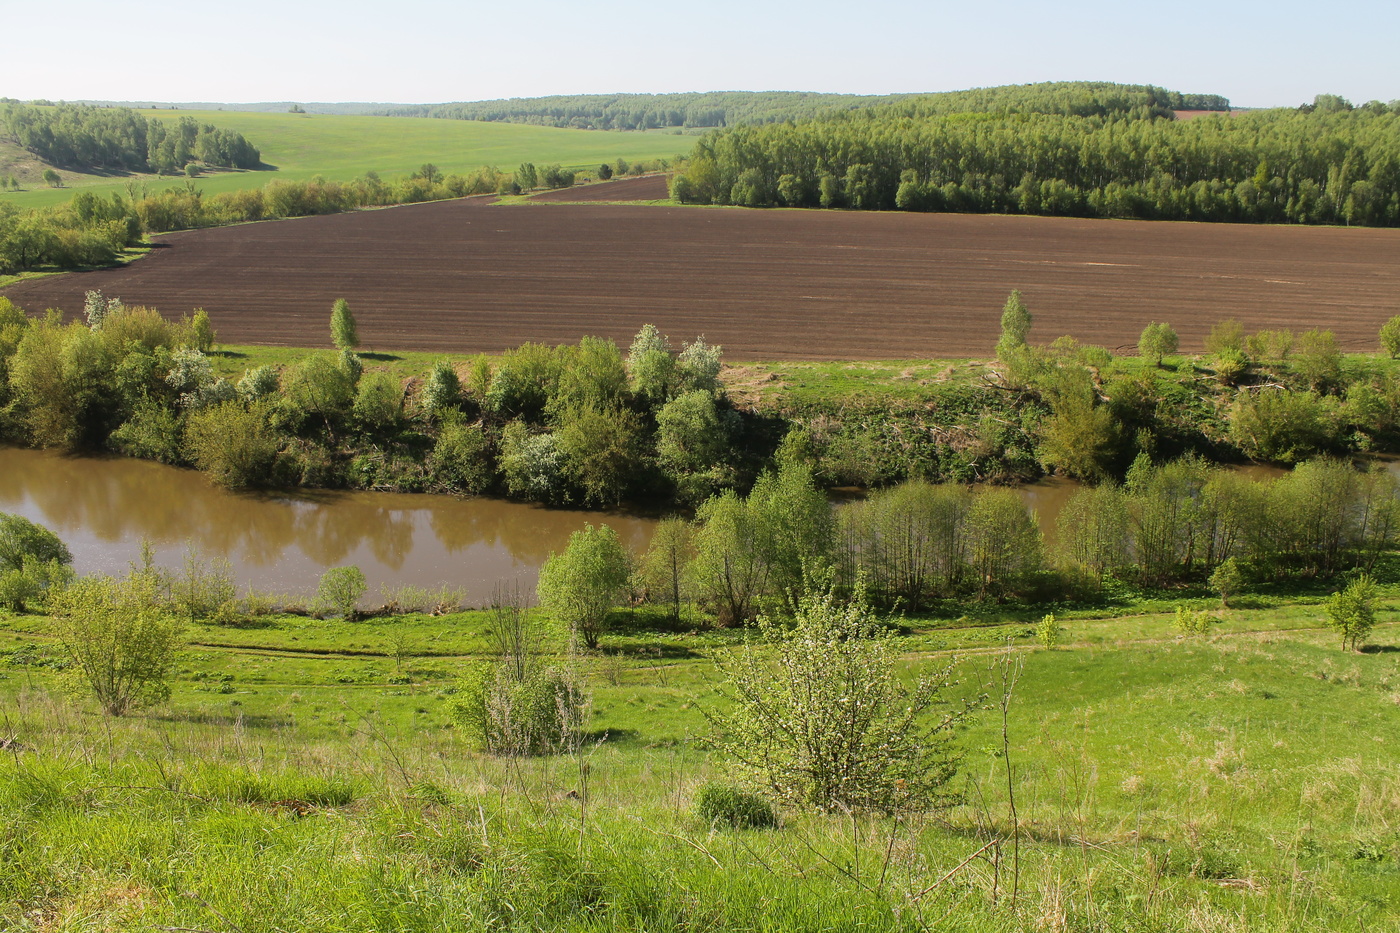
104 507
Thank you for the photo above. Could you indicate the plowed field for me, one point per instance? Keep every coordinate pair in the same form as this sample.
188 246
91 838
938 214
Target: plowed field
646 188
464 276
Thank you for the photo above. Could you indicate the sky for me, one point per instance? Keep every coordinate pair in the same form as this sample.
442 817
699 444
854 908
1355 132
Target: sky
1258 53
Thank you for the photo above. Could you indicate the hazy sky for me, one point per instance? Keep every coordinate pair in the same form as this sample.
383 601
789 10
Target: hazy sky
1256 52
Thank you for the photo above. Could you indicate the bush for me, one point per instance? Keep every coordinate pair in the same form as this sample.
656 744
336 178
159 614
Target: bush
341 589
34 563
1047 631
1352 612
1193 621
717 804
582 585
822 719
235 445
535 714
461 460
119 640
517 706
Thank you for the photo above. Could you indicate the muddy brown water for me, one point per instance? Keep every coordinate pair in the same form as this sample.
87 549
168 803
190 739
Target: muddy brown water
103 508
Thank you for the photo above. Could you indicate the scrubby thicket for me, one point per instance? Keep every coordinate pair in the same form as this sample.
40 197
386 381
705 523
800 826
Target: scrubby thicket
595 425
1075 150
81 136
733 108
592 425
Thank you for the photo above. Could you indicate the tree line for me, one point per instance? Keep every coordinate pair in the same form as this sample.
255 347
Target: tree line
1068 151
581 423
595 424
735 108
92 231
79 135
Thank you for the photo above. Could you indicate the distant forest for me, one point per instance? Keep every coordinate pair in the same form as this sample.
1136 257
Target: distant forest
78 135
737 108
1088 150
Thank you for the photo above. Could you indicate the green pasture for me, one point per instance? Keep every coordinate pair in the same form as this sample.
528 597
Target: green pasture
340 148
1245 780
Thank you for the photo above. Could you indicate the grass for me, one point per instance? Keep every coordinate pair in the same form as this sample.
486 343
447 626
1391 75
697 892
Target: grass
300 146
1246 780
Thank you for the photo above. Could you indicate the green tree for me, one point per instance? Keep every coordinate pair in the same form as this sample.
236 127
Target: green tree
601 450
581 586
1352 611
319 387
821 716
794 528
461 459
120 640
728 570
344 333
1227 579
1015 326
651 368
34 563
52 178
663 567
1080 439
378 402
1157 340
202 335
442 391
1004 543
1318 359
1390 337
1094 529
527 176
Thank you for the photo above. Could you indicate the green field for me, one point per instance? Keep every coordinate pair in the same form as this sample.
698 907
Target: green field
306 775
343 147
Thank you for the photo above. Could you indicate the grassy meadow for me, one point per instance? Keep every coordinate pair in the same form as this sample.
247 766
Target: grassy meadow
306 774
300 146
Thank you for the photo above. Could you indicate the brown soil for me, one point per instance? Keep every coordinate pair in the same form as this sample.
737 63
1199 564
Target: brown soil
645 188
464 276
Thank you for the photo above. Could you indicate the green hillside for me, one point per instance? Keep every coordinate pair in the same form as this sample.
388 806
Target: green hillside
300 146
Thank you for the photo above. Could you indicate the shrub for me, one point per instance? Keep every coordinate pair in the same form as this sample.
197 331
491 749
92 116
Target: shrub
461 460
517 706
1390 337
1047 631
442 391
1193 621
119 640
1352 612
719 804
1226 580
821 718
535 714
340 590
582 585
235 445
378 402
34 563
